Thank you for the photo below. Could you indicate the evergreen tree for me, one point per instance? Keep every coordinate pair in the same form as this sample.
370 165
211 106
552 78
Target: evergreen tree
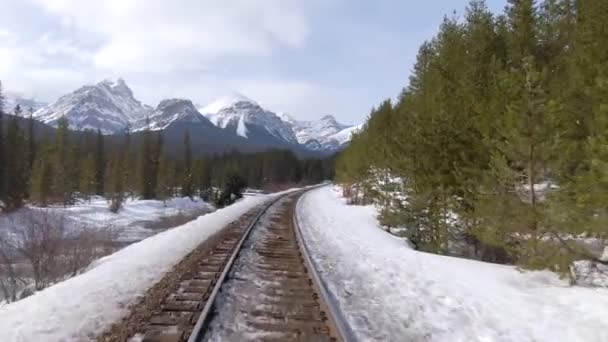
187 183
164 188
87 178
522 17
65 180
146 164
16 164
130 179
2 158
114 182
498 110
100 164
41 179
231 191
31 139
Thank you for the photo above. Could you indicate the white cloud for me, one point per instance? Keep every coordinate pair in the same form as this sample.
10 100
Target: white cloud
40 66
280 95
171 35
299 98
197 49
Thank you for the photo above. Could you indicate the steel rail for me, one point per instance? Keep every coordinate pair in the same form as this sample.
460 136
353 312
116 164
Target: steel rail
328 300
206 315
337 322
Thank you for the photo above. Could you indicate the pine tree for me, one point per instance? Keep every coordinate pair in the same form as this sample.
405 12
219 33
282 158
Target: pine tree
16 165
114 182
130 165
41 179
87 178
65 180
146 165
2 158
163 187
100 164
581 166
187 183
31 139
523 24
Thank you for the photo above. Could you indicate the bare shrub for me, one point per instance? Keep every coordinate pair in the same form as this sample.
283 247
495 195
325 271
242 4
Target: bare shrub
84 246
38 237
54 247
10 280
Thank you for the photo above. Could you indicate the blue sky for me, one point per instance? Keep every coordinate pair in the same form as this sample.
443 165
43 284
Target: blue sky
305 57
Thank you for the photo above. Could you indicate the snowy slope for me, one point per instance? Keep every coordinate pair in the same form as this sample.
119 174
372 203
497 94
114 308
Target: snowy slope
170 111
393 293
81 307
108 106
245 117
324 134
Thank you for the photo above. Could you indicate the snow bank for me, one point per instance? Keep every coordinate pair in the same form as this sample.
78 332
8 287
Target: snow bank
81 307
390 292
96 211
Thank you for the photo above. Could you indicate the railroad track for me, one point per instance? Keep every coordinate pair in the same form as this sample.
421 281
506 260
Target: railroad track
257 283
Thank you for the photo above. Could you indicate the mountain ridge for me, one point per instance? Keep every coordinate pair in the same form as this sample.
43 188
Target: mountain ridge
108 106
111 107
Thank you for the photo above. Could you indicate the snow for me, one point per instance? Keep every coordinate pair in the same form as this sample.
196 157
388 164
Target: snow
346 134
167 112
326 133
225 102
107 105
242 290
81 307
389 291
130 220
238 113
590 273
241 129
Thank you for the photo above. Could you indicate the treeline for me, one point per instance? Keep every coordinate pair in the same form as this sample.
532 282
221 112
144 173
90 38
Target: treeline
498 147
63 167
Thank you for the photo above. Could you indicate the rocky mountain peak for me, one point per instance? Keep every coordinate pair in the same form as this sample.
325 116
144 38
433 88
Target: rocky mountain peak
108 106
245 117
329 118
176 105
170 111
325 134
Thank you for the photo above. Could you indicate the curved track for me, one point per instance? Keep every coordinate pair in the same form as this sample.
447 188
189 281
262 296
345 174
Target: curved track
256 284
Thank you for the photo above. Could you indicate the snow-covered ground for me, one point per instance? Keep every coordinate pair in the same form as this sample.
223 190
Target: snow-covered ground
81 307
129 222
390 292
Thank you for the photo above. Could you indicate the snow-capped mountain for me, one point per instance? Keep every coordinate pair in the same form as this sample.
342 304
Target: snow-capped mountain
325 134
248 119
171 111
232 122
11 100
108 106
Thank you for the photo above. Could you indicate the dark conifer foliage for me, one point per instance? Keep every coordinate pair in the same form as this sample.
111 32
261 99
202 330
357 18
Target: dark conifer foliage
15 167
187 182
2 147
498 147
63 166
100 163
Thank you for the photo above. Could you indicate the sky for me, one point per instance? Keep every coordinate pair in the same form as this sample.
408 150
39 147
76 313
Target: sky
308 58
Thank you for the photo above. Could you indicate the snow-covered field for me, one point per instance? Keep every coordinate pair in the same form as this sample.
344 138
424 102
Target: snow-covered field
81 307
390 292
129 222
